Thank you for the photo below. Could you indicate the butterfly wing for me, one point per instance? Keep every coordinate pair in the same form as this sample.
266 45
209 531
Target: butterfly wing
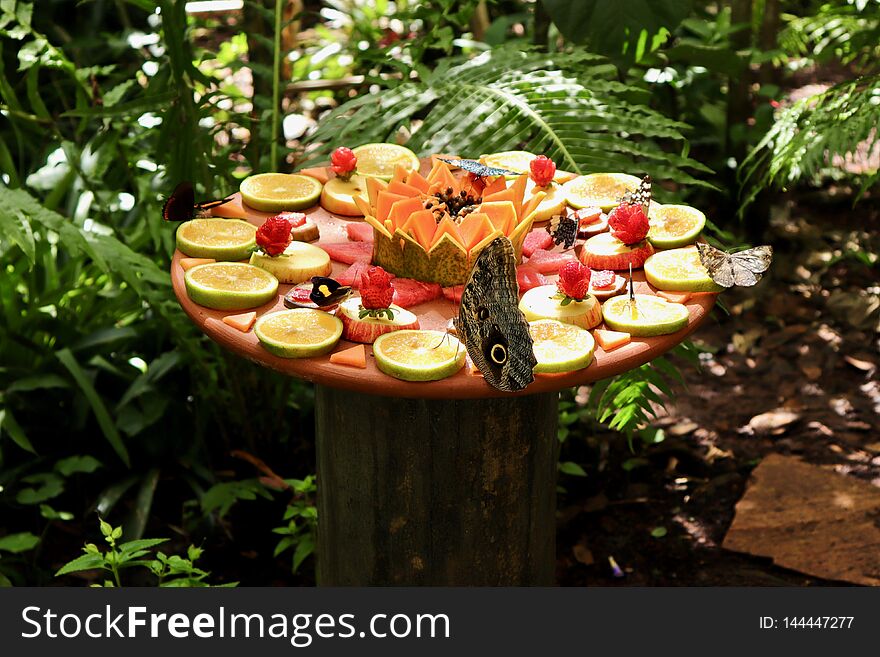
641 196
717 263
563 228
207 205
181 205
478 168
749 265
328 291
490 324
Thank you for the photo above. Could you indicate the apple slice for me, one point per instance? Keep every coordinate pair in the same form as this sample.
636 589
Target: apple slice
544 302
604 251
298 263
337 196
366 330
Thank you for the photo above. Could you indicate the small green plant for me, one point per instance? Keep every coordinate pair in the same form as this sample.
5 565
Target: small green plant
170 571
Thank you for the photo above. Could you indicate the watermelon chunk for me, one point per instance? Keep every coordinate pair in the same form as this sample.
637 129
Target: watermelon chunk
528 277
349 252
549 262
359 232
352 275
409 292
537 239
453 293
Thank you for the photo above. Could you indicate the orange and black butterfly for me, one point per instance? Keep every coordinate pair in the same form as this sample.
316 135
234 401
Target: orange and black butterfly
182 206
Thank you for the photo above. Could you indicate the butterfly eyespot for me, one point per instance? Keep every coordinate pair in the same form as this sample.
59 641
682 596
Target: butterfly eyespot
498 354
483 314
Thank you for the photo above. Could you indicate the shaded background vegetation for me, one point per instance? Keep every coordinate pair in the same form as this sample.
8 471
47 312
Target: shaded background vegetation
112 405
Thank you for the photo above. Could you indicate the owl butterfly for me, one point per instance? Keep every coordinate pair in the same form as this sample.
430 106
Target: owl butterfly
641 196
489 323
744 268
182 206
478 168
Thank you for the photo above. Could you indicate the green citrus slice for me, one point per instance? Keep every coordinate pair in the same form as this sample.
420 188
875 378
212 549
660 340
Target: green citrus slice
545 302
650 316
298 333
599 190
679 270
560 347
219 239
380 160
419 355
278 192
674 225
230 285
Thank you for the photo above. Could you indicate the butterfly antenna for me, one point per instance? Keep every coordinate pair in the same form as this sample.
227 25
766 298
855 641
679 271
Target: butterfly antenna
632 294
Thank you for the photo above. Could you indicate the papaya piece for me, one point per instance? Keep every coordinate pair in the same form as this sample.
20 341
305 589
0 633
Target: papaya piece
609 340
417 180
242 322
378 225
514 194
421 226
188 263
474 227
674 297
384 202
436 158
321 174
499 184
400 173
374 186
396 187
448 227
362 205
353 357
531 205
402 209
502 214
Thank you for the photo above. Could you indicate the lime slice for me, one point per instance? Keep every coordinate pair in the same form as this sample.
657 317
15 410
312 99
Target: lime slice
419 355
298 333
380 160
648 316
599 190
220 239
278 192
679 270
230 285
298 263
560 347
674 225
544 302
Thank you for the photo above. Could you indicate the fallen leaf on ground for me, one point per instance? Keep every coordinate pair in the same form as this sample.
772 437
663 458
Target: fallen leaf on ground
772 421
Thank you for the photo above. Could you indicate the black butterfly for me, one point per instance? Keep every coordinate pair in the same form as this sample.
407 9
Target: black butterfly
328 291
744 268
478 168
182 206
563 228
489 322
641 196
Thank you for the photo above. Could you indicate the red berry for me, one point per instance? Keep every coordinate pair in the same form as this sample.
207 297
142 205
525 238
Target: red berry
574 279
628 223
542 170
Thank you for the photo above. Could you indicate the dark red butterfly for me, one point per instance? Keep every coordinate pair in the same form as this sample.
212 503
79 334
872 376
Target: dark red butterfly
182 206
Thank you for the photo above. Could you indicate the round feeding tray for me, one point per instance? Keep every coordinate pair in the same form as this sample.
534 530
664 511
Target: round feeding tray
450 482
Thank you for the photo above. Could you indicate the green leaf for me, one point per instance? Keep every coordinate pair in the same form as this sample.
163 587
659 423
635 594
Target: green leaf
305 547
571 468
73 464
100 410
14 430
21 542
615 28
83 562
37 382
50 485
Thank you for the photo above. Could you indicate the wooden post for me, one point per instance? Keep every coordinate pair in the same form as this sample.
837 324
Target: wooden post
436 492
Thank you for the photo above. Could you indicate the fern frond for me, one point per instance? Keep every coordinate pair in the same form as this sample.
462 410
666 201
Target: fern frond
845 32
568 106
817 133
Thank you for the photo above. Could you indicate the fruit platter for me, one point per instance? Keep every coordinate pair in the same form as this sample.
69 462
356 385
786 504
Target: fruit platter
442 277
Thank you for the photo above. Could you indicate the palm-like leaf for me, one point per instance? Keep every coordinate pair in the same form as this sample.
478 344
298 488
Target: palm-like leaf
815 134
567 106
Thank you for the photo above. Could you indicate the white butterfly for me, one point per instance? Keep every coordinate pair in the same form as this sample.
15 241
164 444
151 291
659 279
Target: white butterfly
744 268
